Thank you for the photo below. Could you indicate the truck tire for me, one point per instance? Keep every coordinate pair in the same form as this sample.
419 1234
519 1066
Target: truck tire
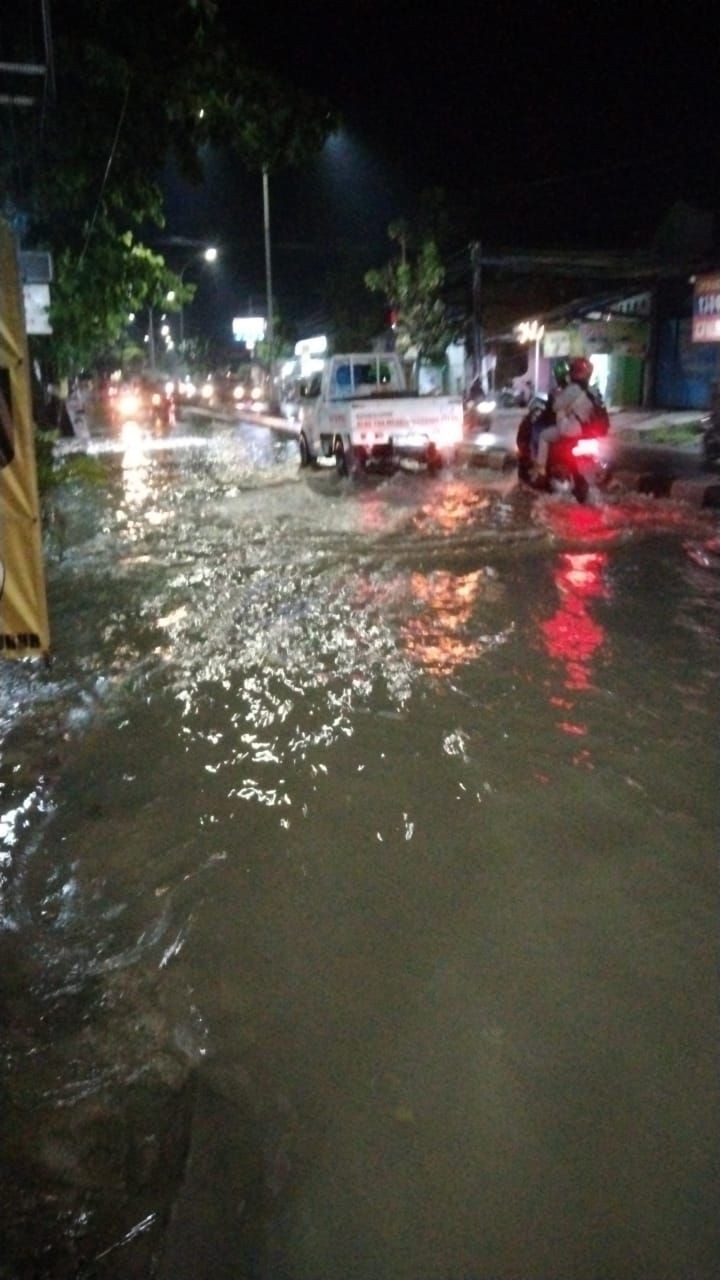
306 458
340 455
434 460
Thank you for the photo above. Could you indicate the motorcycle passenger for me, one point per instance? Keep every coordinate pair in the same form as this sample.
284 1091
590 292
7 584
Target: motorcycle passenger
574 408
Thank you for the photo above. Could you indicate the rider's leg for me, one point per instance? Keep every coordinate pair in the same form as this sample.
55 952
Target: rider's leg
546 438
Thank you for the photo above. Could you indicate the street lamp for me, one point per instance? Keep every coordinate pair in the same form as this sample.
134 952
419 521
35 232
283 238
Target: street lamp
210 255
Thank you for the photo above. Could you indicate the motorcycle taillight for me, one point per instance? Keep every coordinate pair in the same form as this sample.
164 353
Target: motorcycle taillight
586 448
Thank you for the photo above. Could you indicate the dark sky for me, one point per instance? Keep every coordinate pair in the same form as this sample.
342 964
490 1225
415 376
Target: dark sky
549 124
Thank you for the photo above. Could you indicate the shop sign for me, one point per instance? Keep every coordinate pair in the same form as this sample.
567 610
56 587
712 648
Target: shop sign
529 331
706 309
36 298
249 329
615 337
557 342
312 346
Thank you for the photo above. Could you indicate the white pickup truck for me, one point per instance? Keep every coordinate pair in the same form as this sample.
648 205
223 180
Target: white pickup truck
363 415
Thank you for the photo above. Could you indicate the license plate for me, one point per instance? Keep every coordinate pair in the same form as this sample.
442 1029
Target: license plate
413 440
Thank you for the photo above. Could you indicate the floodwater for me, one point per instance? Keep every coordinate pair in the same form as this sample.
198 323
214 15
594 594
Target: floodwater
358 899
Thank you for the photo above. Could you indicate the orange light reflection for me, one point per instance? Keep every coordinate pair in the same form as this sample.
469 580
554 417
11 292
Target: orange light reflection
451 506
436 636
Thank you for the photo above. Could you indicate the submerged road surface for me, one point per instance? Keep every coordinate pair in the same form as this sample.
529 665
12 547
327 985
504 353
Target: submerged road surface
358 899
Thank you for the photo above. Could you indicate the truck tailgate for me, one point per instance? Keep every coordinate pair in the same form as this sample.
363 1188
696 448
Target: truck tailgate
408 420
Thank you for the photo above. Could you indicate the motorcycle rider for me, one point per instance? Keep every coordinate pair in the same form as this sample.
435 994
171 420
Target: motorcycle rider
574 408
548 416
541 414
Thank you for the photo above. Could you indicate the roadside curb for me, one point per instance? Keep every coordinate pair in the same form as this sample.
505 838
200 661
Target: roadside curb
237 417
698 492
695 491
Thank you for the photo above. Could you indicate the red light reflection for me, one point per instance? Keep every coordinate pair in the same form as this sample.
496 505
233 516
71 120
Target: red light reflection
572 635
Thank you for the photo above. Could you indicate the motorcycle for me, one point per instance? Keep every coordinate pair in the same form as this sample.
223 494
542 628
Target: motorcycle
575 463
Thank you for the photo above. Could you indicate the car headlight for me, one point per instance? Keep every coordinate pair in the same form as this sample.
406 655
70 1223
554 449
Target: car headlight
128 403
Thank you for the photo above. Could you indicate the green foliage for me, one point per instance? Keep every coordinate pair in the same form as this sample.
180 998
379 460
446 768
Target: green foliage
355 316
95 291
129 92
44 459
412 288
267 122
51 473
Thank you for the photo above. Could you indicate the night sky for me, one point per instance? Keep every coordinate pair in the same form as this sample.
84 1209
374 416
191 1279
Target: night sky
548 124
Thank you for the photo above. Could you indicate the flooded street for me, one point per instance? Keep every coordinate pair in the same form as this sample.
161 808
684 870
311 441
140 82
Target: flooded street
358 897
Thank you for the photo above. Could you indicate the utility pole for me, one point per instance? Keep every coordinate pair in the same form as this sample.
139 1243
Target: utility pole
268 269
151 337
476 261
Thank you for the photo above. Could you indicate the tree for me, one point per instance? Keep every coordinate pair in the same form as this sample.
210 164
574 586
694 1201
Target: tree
412 287
354 317
96 291
130 91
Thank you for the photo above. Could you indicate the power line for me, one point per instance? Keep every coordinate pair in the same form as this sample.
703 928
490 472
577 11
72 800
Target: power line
108 166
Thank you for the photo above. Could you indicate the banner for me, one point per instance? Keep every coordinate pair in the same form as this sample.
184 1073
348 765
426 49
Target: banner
23 609
706 309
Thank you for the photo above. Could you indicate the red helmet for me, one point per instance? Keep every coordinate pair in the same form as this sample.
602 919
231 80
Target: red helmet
581 369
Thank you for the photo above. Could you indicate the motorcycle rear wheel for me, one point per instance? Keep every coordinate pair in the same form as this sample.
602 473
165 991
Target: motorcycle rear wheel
580 488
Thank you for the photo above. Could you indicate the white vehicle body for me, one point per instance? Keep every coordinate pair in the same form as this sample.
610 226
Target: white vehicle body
363 414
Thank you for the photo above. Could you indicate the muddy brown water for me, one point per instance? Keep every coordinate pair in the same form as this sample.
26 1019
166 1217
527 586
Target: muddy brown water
358 900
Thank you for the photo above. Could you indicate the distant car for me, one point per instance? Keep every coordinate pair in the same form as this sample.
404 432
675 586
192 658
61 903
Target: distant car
199 392
253 396
146 401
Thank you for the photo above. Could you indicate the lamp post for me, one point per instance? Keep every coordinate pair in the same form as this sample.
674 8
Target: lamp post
209 254
152 348
151 337
268 268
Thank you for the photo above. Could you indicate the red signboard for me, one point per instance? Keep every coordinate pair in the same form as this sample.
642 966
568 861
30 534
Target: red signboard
706 309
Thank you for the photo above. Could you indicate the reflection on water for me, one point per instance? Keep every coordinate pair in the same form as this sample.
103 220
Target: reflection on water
449 599
572 635
356 886
452 506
